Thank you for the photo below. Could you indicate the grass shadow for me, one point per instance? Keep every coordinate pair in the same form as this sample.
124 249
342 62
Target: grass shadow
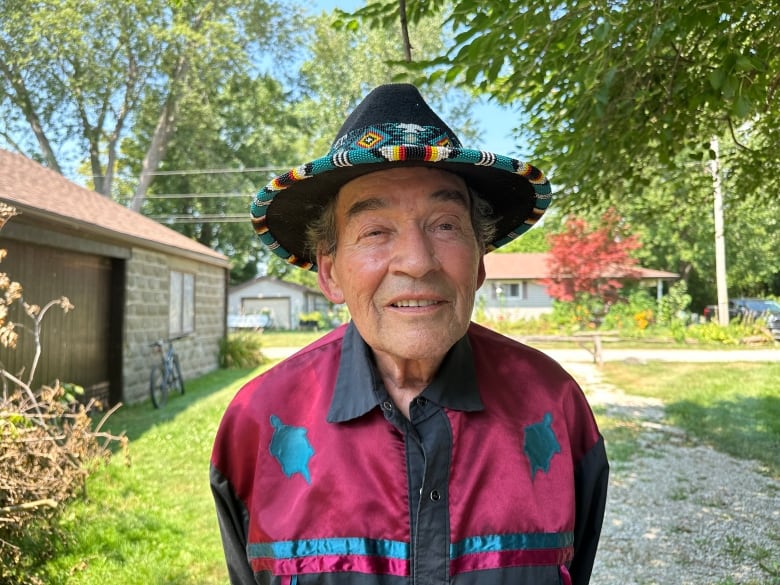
745 428
136 419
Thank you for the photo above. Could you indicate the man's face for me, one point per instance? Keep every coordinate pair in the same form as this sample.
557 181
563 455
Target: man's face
407 262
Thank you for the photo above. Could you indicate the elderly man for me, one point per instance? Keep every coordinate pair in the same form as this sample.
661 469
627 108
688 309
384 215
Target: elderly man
411 445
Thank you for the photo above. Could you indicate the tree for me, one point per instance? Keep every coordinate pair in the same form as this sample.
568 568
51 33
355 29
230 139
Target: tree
590 264
533 241
674 221
623 97
637 83
225 141
76 73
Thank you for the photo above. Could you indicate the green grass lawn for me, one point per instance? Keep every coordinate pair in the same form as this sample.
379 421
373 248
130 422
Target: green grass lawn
733 407
283 338
153 522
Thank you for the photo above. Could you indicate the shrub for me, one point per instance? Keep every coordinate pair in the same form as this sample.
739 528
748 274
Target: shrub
633 315
674 304
48 447
316 320
736 332
242 349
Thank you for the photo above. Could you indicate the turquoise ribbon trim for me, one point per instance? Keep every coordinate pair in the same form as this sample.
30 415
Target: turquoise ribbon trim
511 542
291 549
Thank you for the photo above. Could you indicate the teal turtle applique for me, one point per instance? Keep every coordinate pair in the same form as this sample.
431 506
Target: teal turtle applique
291 448
540 444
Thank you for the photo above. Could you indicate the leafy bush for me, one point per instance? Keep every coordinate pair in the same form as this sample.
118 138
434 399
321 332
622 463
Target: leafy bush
736 332
317 320
674 304
48 447
571 316
242 349
632 316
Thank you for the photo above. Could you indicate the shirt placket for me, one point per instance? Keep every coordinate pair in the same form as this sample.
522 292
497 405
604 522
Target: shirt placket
428 448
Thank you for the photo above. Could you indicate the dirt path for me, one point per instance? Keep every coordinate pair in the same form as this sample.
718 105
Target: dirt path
682 513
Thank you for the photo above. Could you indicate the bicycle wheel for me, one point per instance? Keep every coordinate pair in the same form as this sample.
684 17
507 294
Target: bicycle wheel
176 381
158 387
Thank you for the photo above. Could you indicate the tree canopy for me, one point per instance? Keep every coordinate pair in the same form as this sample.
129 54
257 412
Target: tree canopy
608 87
80 76
619 103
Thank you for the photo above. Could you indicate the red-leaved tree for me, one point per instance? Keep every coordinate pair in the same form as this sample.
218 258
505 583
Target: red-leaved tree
589 264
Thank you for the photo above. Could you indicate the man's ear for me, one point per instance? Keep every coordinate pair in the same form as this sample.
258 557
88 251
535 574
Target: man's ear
327 278
481 273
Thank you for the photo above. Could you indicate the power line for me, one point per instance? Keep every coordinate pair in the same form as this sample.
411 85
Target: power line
234 195
218 171
275 170
206 218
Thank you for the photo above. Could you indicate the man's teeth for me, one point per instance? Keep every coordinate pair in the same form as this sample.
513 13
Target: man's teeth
414 303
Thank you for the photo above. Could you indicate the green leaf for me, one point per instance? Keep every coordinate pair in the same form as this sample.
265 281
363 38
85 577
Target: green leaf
745 63
717 79
742 106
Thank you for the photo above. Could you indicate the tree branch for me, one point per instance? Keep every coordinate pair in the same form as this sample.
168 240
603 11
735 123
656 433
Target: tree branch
22 100
405 30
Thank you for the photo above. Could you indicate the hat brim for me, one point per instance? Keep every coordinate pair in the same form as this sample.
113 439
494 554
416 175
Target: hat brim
518 193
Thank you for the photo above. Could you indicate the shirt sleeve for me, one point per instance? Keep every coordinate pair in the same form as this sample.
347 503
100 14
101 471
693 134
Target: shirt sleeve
590 482
233 521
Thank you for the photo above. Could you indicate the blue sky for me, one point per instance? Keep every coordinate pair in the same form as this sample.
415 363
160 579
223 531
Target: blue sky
496 122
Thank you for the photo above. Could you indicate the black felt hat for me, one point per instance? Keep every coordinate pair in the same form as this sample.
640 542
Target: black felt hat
393 126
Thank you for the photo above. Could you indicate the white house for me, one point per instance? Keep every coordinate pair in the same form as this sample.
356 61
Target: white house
250 302
513 286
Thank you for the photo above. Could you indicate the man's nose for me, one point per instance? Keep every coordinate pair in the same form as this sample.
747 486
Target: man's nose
414 253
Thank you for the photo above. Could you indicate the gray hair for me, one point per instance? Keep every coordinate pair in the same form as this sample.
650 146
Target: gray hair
321 234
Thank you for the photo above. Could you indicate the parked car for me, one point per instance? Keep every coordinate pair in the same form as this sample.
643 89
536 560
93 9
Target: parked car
766 309
710 312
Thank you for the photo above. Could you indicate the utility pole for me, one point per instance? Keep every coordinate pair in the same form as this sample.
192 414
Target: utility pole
720 243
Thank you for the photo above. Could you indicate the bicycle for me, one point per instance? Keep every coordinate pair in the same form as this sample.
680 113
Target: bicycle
165 376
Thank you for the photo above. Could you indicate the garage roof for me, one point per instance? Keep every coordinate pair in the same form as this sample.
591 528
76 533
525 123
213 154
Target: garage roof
41 193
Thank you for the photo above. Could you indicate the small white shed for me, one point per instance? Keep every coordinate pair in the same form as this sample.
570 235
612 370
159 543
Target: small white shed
283 301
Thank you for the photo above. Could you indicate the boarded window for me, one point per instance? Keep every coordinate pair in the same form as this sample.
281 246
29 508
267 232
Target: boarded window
182 303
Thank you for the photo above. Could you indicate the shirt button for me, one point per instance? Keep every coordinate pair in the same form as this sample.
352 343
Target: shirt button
387 405
421 401
435 496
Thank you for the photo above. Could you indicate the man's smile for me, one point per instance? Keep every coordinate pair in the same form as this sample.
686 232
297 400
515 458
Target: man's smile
415 303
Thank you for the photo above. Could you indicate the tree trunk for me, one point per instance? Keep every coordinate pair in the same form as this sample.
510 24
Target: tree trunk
166 122
162 135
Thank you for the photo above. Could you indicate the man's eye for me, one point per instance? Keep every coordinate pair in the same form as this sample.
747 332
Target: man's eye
445 227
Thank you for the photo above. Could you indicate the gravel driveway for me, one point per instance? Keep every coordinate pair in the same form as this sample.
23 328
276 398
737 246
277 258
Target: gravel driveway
681 513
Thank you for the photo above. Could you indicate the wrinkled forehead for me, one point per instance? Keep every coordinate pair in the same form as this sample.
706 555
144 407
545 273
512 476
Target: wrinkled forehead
386 188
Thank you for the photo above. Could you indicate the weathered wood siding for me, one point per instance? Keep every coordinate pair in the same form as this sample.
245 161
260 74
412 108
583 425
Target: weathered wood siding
75 345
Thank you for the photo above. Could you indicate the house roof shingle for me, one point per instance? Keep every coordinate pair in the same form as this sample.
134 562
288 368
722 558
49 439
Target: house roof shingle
33 189
278 282
534 266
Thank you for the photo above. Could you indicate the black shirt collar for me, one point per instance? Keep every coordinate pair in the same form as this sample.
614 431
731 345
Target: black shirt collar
359 387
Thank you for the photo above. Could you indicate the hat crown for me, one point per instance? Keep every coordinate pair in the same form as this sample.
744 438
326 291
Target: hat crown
396 105
393 125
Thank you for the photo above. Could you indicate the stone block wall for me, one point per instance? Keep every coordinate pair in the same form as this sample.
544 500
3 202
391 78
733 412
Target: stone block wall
146 318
